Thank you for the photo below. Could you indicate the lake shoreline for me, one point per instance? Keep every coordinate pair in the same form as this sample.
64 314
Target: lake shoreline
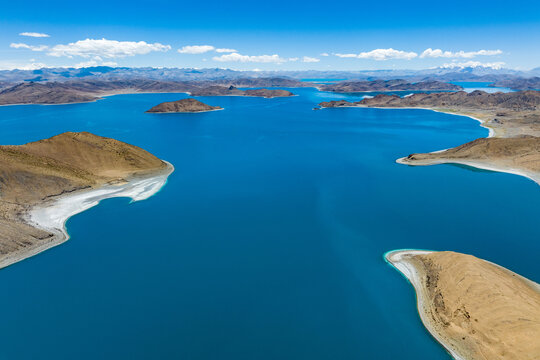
463 300
398 260
492 166
53 213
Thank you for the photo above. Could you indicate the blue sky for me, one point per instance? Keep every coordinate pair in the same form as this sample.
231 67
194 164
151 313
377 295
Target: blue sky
287 35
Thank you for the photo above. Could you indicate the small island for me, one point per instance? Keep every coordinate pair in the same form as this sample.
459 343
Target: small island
476 309
47 181
183 106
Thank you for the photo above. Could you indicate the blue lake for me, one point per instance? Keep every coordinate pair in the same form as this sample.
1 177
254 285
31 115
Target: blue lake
267 241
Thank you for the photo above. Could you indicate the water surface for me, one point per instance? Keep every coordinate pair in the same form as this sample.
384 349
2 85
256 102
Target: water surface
267 241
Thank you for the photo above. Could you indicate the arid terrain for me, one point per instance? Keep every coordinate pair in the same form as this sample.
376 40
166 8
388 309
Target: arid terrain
182 106
37 173
389 85
76 91
219 90
477 310
532 83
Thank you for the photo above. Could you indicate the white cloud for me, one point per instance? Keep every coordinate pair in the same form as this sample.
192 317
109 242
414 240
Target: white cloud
225 50
325 54
29 47
381 54
34 34
346 55
308 59
106 48
12 65
236 57
294 59
473 64
94 63
436 53
196 49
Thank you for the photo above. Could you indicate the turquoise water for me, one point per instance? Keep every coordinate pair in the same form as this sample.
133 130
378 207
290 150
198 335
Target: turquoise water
267 241
470 86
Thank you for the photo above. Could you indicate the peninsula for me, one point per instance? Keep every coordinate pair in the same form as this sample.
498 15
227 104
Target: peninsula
532 83
389 85
513 120
80 91
45 182
183 106
476 309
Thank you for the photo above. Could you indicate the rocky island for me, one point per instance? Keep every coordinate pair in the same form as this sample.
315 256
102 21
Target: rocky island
45 182
389 85
476 309
183 106
513 120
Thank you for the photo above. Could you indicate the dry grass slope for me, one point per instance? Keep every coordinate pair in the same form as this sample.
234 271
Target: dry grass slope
511 153
484 310
37 171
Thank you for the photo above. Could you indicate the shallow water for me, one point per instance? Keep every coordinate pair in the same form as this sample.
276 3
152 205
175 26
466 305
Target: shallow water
267 241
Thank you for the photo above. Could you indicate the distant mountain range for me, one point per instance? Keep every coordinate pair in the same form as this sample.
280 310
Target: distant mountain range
478 73
70 85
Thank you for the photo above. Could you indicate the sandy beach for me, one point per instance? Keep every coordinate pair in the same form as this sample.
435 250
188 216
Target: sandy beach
534 176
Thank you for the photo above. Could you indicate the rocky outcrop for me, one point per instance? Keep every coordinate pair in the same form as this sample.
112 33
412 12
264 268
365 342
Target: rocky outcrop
183 106
339 103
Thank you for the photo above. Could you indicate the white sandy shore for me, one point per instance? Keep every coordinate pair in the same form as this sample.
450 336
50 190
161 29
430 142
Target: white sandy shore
475 164
491 167
399 259
52 215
